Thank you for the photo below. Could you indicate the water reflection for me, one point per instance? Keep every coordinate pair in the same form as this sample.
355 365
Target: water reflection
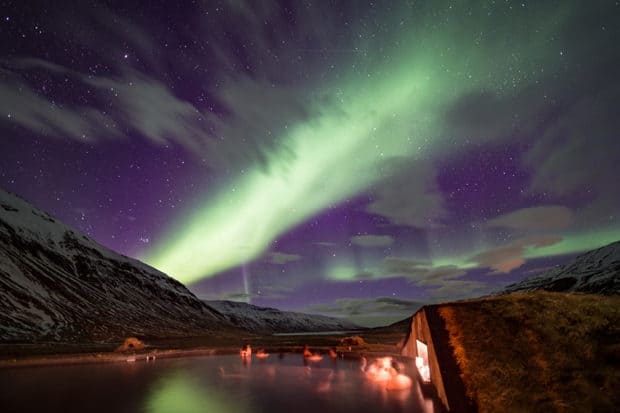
386 371
183 393
211 384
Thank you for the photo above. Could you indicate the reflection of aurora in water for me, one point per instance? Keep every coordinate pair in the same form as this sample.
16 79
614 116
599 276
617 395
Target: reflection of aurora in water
277 384
180 393
218 384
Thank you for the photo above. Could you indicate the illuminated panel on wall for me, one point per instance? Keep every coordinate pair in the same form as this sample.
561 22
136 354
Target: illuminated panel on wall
421 361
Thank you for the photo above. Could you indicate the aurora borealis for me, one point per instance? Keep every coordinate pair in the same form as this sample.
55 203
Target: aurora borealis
350 158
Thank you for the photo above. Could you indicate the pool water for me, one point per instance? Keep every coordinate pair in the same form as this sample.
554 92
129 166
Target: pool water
218 384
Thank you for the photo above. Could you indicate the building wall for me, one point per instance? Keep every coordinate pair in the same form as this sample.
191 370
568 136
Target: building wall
420 331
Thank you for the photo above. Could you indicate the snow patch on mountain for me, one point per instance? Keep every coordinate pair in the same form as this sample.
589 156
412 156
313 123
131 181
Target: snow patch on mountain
596 271
271 320
57 284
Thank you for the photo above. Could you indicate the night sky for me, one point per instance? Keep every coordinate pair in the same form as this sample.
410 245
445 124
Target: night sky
344 157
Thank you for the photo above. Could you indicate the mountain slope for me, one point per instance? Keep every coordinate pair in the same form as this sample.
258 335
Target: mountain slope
596 271
271 320
56 284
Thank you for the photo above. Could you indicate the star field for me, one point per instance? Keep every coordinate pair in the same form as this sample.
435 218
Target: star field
350 158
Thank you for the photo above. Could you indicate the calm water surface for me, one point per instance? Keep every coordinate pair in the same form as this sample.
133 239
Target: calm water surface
218 384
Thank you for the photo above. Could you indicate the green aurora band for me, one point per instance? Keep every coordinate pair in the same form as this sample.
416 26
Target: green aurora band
361 123
345 269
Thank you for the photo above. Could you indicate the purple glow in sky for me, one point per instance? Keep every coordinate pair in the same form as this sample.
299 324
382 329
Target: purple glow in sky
348 158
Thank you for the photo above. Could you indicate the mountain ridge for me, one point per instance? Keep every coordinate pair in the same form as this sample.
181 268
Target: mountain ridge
596 271
272 320
57 284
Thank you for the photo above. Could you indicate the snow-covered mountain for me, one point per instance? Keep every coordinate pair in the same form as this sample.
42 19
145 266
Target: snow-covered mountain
271 320
596 271
57 284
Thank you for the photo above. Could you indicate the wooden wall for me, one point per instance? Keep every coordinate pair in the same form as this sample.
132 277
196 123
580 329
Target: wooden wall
420 331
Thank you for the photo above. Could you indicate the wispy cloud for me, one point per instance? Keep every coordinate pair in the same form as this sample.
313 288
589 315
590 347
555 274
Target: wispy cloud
281 258
22 105
534 218
372 240
421 273
506 258
457 289
371 311
410 196
139 104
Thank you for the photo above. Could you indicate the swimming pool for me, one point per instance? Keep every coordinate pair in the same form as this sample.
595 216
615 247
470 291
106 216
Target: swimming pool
223 383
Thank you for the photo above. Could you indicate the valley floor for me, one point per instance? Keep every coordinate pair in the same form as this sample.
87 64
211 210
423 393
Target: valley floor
379 341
